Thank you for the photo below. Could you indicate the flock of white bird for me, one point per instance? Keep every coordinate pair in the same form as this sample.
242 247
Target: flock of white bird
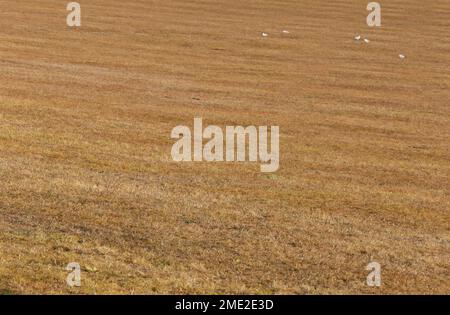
366 40
357 38
266 34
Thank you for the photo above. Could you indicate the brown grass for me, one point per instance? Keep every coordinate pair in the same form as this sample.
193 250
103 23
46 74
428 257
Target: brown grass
85 167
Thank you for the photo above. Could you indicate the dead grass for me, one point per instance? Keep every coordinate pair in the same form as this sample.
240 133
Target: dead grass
85 122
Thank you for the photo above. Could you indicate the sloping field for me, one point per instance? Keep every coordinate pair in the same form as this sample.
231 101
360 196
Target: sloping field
87 176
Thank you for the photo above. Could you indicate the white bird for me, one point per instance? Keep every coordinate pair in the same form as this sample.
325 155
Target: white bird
402 56
366 40
358 37
265 34
286 32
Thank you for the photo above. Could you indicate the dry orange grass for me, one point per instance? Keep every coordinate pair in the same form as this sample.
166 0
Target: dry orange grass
85 167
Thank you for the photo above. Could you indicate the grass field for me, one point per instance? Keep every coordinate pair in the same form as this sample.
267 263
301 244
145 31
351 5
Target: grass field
87 176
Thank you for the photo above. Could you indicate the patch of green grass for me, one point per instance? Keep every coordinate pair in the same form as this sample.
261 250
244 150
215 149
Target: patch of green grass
4 291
